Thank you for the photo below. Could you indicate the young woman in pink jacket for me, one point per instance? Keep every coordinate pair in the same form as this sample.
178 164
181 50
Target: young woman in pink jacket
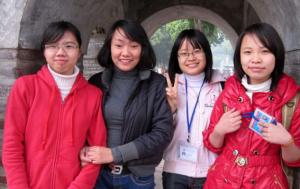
252 158
192 94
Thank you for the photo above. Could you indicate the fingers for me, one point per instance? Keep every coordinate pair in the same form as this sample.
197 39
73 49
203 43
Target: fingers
176 81
169 83
83 155
233 114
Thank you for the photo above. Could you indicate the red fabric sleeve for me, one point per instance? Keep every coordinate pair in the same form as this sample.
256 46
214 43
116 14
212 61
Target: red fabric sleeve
96 137
13 151
214 119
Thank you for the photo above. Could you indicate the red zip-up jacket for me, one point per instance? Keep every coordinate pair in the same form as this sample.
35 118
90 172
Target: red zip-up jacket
43 135
261 168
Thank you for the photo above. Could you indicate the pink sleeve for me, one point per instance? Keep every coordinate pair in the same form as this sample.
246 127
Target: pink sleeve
96 137
214 119
14 134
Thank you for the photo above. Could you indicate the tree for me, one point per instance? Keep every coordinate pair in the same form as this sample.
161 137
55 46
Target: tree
164 37
214 35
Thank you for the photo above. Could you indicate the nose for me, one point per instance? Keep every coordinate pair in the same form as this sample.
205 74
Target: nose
125 51
191 56
256 58
61 51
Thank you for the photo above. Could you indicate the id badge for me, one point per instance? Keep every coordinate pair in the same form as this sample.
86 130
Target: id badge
187 152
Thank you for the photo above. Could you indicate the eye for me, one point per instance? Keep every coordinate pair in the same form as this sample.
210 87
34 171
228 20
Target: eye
265 51
117 45
183 54
70 46
197 51
51 46
134 45
246 52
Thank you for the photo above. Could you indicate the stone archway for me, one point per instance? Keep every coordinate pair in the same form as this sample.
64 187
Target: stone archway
164 16
153 22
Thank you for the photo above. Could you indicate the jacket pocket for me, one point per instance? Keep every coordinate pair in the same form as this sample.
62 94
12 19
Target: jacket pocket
39 173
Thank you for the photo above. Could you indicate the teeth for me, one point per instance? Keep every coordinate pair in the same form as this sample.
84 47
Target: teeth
191 65
125 61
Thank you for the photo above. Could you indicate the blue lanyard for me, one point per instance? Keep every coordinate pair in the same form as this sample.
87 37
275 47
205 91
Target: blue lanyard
190 121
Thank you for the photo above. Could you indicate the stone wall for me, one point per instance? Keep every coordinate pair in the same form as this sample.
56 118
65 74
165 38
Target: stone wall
8 61
292 64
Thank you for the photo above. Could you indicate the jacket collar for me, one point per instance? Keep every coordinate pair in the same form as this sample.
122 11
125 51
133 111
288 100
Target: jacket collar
107 74
46 76
285 90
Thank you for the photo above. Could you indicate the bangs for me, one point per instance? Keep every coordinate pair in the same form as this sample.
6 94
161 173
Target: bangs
193 41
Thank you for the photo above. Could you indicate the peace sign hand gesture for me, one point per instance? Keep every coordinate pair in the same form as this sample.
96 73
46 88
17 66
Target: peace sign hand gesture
171 92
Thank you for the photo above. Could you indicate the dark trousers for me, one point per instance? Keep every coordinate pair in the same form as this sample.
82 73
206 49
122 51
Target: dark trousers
176 181
107 180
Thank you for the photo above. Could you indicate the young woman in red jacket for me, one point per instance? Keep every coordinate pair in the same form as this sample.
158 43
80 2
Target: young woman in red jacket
251 159
50 116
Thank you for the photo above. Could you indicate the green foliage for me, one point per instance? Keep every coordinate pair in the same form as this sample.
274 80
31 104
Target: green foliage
214 35
172 29
164 37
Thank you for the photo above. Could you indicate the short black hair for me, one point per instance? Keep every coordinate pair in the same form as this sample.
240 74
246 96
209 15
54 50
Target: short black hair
135 32
269 37
56 30
197 40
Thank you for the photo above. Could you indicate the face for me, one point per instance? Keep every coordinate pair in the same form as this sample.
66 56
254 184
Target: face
63 55
191 61
257 61
125 53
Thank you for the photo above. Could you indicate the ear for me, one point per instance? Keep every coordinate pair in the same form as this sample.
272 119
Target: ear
80 53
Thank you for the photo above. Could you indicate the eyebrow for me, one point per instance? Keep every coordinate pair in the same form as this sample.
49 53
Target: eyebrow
66 42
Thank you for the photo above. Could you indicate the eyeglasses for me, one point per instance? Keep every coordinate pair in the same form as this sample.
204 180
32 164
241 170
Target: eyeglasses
68 47
196 53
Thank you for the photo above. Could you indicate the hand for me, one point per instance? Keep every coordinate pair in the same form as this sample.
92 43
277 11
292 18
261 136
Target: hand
99 155
230 121
171 92
275 134
84 159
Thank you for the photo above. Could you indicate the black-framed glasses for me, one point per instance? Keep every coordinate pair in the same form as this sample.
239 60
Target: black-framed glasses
68 47
185 55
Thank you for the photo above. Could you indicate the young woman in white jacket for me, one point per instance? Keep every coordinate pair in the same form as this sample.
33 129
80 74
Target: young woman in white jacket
193 88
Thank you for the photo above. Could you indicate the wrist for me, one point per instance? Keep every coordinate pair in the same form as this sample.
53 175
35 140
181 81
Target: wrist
218 133
218 130
288 143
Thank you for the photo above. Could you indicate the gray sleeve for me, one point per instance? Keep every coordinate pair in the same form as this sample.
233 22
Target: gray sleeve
124 153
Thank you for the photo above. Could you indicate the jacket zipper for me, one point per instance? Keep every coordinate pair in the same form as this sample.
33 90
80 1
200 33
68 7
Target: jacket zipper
130 99
58 142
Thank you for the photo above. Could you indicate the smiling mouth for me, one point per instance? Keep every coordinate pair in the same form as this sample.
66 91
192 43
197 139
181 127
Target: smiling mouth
125 61
191 65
